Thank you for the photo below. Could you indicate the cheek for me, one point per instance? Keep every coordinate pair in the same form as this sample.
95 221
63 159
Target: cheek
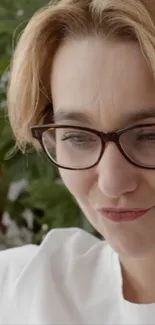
78 183
149 178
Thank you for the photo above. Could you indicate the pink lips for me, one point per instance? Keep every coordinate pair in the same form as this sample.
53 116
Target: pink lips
122 214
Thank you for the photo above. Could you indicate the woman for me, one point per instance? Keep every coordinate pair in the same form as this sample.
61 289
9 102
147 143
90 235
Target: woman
82 88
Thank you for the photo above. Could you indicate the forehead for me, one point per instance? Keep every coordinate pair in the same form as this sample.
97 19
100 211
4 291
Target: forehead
107 81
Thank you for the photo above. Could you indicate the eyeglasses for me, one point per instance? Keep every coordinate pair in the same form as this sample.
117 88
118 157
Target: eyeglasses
79 148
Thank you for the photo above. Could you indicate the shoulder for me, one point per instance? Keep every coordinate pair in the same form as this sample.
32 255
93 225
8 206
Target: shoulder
69 239
64 252
64 265
12 263
69 252
72 242
13 260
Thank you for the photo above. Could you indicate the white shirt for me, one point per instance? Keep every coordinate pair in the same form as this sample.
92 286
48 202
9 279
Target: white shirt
71 278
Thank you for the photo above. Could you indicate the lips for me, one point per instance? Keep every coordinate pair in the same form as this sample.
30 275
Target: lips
119 215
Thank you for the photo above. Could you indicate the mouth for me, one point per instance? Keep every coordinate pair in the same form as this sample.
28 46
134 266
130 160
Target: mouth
122 215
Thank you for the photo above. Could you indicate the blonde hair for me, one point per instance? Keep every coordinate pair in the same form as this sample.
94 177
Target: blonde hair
29 86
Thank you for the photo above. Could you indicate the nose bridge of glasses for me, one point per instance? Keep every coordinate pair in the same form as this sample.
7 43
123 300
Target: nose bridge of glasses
109 137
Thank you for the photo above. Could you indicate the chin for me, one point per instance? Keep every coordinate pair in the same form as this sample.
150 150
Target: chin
132 248
124 240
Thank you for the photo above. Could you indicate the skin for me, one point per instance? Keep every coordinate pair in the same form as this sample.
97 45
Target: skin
109 82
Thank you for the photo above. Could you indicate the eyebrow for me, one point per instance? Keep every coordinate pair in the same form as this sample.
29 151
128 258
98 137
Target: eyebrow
68 115
79 116
142 114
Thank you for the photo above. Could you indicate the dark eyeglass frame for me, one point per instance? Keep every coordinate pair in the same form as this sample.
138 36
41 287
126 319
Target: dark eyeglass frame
38 130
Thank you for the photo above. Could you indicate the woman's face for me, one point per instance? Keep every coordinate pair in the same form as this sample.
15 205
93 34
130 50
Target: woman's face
109 83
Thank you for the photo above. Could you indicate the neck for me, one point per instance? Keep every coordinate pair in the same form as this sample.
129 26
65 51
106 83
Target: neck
138 279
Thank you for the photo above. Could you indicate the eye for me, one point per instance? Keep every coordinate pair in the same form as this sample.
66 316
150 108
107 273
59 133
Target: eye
146 134
80 139
147 137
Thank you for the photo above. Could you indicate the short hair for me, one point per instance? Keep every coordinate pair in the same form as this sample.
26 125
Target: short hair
29 87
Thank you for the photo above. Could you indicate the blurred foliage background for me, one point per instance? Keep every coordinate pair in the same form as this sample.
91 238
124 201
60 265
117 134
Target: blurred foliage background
32 197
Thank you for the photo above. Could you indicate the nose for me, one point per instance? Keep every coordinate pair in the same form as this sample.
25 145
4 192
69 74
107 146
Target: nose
116 176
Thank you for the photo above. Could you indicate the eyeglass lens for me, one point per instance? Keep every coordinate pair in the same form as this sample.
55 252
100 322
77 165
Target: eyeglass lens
76 148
